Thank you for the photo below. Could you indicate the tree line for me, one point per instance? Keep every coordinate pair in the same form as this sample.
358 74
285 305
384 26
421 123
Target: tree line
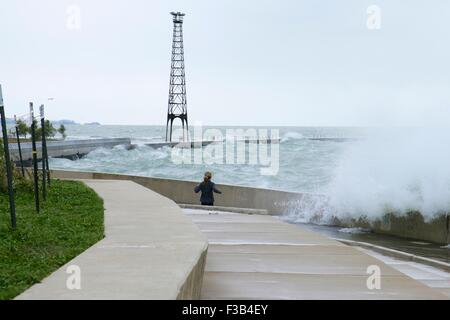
50 131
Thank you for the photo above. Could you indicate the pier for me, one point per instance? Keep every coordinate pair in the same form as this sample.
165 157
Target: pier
75 149
202 143
71 149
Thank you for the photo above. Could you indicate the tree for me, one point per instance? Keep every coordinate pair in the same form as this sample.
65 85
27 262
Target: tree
22 128
50 131
62 131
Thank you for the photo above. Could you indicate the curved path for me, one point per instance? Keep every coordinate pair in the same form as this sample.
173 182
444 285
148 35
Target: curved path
150 251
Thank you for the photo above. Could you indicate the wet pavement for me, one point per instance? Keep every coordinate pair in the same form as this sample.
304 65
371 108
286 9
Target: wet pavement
262 257
416 247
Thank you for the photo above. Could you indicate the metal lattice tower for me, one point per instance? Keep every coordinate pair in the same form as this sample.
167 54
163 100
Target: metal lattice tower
177 87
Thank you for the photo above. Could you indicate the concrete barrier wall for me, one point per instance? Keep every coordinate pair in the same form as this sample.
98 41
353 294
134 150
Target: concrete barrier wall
413 226
278 202
66 148
275 202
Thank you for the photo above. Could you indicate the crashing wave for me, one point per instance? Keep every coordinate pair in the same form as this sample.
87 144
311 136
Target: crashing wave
292 135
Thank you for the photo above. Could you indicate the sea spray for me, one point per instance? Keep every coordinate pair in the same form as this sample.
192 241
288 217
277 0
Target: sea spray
391 171
310 208
396 171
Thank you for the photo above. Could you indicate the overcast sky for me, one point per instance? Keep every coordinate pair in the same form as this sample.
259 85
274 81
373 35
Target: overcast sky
249 62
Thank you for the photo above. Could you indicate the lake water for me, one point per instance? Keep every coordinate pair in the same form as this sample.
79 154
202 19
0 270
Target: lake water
370 172
304 165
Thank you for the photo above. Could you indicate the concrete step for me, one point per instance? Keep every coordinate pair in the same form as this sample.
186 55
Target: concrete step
262 257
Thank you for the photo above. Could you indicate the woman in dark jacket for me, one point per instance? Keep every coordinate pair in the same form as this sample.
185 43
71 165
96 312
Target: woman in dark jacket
207 187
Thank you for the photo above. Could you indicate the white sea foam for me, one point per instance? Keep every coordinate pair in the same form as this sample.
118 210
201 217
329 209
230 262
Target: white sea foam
80 137
292 135
397 171
354 230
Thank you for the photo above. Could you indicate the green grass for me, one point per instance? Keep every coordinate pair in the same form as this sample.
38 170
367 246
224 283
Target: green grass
71 220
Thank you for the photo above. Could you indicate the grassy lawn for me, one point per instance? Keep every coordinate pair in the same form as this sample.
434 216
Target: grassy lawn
71 220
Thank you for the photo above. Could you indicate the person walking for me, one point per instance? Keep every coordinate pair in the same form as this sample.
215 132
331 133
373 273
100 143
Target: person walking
208 188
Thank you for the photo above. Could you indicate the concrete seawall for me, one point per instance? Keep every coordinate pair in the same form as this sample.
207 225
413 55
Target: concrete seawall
277 202
67 148
414 226
180 191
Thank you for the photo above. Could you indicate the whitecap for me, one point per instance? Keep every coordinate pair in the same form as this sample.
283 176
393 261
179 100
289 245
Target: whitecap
354 230
292 135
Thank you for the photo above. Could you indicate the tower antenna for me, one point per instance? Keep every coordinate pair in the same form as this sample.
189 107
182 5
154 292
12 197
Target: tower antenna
177 87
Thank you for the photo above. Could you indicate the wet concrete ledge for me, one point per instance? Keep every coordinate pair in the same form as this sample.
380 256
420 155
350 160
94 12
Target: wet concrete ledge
397 254
275 202
227 209
151 250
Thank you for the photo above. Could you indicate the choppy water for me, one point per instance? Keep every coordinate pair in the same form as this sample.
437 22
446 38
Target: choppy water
389 170
305 165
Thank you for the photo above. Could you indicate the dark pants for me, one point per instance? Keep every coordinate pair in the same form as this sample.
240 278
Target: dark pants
207 204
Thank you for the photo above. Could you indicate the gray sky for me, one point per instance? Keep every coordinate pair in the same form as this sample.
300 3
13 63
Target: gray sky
285 62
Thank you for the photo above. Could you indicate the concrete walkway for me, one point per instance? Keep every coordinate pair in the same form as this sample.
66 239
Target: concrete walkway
150 251
261 257
430 276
